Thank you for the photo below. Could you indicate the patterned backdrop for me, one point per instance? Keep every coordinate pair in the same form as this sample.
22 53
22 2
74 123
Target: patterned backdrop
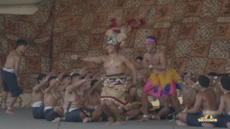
193 33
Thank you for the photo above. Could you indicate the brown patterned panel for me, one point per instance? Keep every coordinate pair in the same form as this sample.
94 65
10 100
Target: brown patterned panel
169 51
164 13
54 63
50 12
26 30
68 44
204 31
73 22
187 30
117 4
92 6
100 19
23 82
161 35
210 8
59 71
225 8
193 8
148 2
40 30
130 13
27 18
77 1
65 9
179 1
79 64
178 11
96 41
33 64
179 64
200 48
58 34
139 52
222 31
11 26
130 39
215 65
2 60
93 70
44 48
11 45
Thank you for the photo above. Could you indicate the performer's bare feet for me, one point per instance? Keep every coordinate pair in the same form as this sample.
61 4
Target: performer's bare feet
180 123
143 119
207 125
99 119
126 118
10 111
155 117
4 107
228 124
85 120
118 123
57 119
109 123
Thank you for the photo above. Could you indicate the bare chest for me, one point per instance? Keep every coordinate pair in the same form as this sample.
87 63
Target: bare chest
153 59
113 62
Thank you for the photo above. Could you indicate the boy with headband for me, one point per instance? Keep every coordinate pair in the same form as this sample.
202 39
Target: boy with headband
161 82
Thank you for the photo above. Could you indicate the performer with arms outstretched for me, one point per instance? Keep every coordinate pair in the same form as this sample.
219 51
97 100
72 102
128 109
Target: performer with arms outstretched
113 92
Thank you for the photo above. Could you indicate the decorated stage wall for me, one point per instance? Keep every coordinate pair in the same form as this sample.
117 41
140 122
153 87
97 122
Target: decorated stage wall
193 33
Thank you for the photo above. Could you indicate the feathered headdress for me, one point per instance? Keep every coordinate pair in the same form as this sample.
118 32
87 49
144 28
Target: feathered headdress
117 35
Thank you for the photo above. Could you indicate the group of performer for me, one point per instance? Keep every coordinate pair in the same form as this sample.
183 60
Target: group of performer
122 93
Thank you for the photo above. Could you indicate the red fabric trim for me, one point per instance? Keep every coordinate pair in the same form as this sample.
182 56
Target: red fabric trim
116 100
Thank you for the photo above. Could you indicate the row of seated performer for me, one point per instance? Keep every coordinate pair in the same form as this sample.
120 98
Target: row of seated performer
116 97
201 94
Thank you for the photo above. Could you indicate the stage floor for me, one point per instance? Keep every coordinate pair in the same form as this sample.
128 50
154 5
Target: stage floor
24 120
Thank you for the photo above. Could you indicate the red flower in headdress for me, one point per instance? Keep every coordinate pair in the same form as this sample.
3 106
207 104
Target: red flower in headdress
113 20
129 21
112 25
117 31
133 27
142 22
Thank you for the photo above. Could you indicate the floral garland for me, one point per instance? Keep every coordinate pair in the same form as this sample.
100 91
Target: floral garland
119 33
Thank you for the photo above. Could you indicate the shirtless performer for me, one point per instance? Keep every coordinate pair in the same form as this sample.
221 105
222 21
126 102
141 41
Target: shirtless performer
188 92
160 83
134 110
52 111
205 100
222 118
10 76
114 65
166 107
215 85
66 80
139 59
212 77
77 113
38 96
92 102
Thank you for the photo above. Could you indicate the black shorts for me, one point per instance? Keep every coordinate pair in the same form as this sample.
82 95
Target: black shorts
192 119
222 120
50 114
38 112
10 83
